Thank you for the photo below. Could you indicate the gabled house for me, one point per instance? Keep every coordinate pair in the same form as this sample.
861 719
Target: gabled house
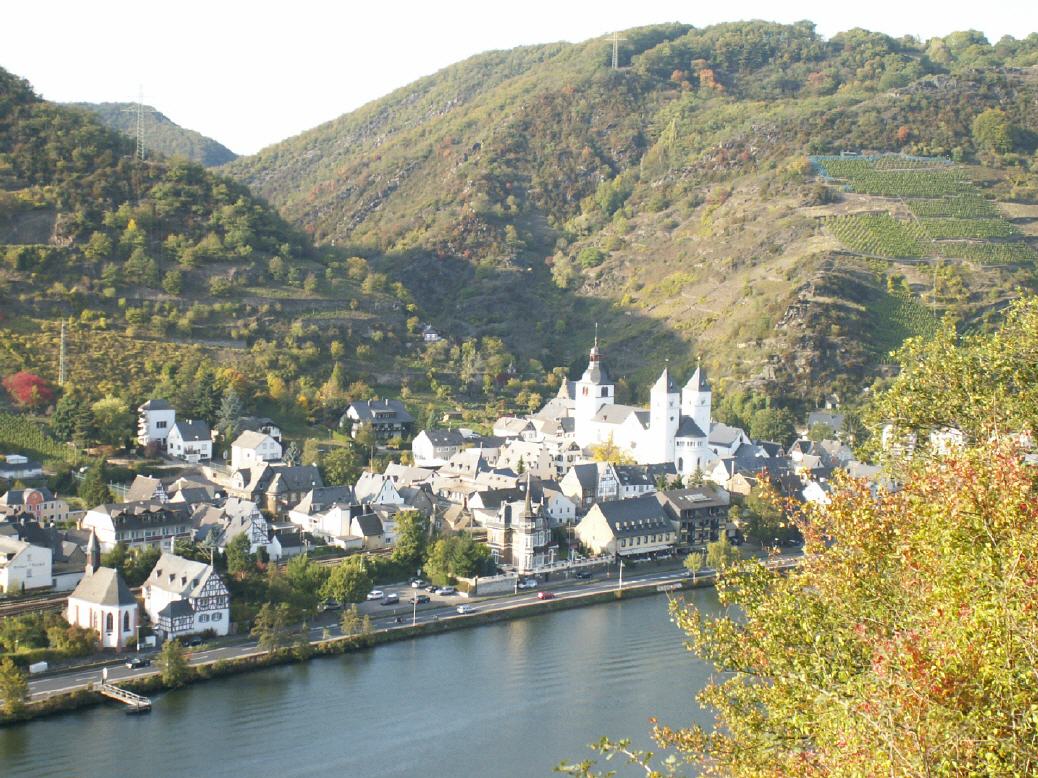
146 488
588 483
250 448
626 528
514 427
259 424
525 456
724 441
39 503
190 440
377 489
519 535
388 418
154 421
17 466
432 448
274 487
318 500
185 597
23 566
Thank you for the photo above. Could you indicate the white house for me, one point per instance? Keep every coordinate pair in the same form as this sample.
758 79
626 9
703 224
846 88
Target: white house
627 528
23 566
15 466
190 440
103 603
145 523
184 597
432 448
250 448
377 489
154 421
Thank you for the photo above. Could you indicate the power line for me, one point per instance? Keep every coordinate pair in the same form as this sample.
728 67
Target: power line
616 50
140 110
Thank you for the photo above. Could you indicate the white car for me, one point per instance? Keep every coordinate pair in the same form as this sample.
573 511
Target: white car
529 583
463 609
376 594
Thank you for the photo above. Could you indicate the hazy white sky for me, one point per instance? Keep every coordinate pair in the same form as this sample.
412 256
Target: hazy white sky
252 73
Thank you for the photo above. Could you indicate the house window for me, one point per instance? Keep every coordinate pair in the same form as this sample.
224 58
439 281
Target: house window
217 617
160 425
203 617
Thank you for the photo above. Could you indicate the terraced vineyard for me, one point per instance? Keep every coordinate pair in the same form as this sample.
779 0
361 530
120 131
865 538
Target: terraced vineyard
950 217
897 316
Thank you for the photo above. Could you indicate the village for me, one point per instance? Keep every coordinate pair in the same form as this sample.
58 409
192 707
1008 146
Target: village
581 485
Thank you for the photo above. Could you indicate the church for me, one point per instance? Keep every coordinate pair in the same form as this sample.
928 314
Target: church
674 428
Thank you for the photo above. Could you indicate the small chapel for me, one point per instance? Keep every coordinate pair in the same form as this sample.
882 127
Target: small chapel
103 603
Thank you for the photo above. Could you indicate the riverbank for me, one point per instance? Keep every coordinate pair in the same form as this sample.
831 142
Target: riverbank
148 683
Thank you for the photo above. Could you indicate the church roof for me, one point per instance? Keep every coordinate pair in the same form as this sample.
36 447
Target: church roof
689 429
613 413
698 382
665 383
104 587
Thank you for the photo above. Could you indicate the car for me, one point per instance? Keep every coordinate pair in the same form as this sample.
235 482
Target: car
390 599
529 583
329 605
195 641
545 595
137 662
419 599
376 594
583 575
447 590
463 609
431 588
417 583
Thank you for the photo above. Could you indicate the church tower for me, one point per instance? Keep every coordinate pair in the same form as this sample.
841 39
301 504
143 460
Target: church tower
594 389
93 554
695 400
664 419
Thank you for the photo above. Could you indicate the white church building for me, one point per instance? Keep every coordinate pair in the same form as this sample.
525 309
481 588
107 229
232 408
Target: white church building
675 427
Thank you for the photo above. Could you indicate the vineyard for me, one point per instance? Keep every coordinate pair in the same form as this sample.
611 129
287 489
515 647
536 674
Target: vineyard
951 218
897 316
880 234
23 435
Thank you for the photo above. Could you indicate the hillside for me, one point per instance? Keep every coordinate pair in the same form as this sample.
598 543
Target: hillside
170 278
533 192
161 135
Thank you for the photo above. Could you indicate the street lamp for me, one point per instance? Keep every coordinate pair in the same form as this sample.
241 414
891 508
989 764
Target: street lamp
621 584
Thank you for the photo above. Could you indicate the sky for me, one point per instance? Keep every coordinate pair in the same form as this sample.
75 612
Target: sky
249 74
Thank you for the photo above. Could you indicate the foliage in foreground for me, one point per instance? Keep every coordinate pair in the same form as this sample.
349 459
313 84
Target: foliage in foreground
904 645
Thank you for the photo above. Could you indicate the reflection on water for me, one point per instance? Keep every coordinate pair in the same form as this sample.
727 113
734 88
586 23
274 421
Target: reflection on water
509 699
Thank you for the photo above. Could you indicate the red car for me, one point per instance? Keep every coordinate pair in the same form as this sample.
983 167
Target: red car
545 595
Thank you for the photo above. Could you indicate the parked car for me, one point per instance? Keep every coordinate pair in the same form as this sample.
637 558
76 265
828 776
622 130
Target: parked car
417 583
431 588
376 594
583 575
195 641
419 599
463 609
329 605
137 662
529 583
390 599
447 590
546 595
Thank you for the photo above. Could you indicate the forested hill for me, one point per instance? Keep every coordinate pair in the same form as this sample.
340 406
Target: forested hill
529 193
166 273
161 135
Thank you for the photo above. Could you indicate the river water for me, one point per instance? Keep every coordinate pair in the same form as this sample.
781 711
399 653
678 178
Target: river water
507 699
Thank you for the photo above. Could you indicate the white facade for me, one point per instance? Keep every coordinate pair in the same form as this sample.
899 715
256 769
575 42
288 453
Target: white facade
23 566
250 448
182 445
115 625
154 421
377 489
184 597
674 428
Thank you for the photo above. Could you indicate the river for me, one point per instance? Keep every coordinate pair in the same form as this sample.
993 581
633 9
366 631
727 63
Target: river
507 699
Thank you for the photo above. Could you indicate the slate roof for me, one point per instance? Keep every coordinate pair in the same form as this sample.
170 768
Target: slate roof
156 405
687 428
444 437
105 586
638 516
632 475
323 497
10 548
697 382
370 525
193 430
723 435
366 410
614 413
184 577
17 496
694 497
250 439
142 488
177 609
255 423
665 382
833 420
289 539
587 476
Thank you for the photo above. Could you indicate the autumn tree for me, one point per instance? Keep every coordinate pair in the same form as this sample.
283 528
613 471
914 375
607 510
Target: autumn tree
271 628
172 663
113 419
28 390
609 451
349 581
